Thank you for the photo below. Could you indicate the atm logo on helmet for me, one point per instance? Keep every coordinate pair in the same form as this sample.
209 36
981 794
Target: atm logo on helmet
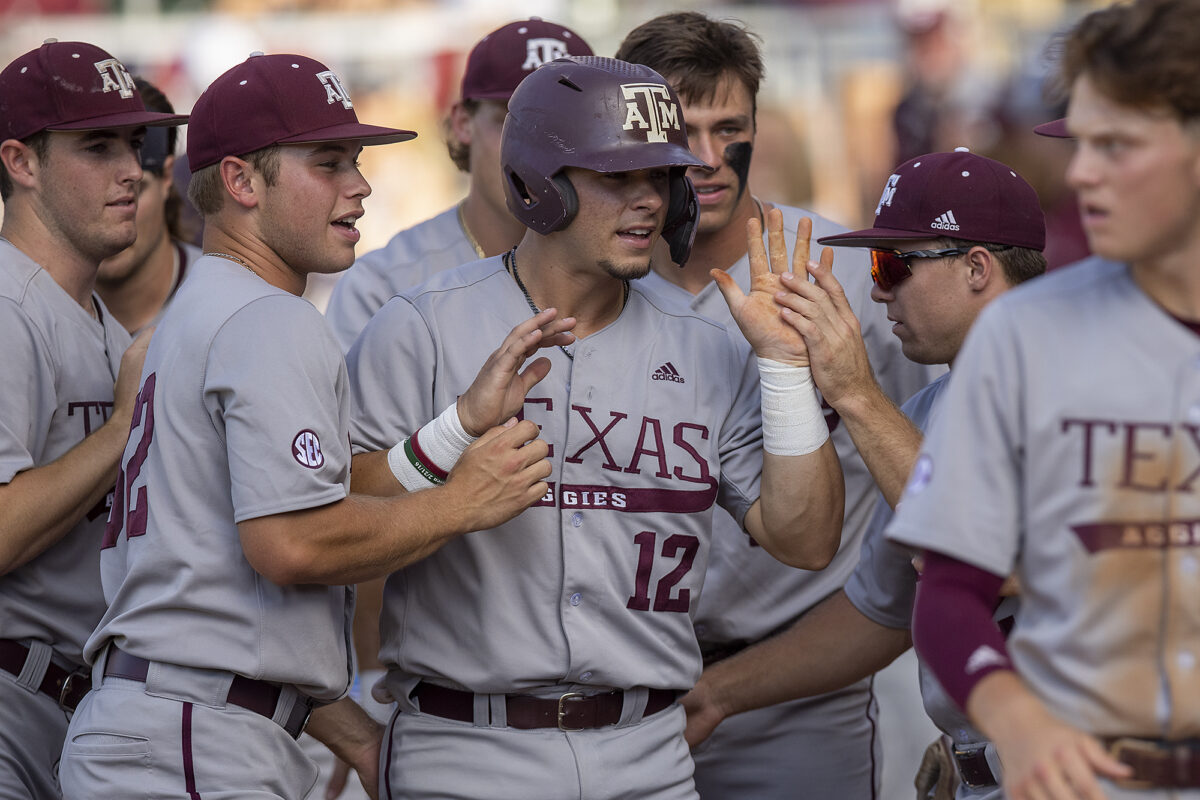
649 107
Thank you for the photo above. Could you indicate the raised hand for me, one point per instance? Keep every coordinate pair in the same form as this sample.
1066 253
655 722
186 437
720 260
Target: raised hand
757 313
821 314
499 389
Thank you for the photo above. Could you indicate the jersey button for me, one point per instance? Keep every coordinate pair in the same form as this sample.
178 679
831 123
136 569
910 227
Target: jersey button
576 599
577 519
587 676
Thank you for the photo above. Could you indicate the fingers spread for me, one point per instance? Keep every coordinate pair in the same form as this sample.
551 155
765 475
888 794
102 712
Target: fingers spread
776 242
755 252
803 245
728 286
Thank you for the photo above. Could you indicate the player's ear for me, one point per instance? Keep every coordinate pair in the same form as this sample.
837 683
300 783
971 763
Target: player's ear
20 161
982 268
237 179
460 123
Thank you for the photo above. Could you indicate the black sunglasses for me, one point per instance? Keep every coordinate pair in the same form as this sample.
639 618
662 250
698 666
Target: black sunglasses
890 268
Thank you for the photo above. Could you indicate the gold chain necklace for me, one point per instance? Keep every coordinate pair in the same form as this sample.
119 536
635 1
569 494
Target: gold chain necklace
232 257
462 220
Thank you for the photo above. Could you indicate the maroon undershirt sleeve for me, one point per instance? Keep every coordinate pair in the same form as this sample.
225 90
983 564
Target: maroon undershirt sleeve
953 629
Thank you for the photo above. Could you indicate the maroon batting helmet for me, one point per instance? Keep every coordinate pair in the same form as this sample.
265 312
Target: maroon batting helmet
599 114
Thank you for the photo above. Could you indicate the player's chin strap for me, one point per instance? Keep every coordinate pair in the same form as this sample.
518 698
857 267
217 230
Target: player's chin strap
792 422
426 458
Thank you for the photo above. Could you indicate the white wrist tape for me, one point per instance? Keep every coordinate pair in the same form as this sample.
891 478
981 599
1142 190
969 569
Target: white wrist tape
426 458
792 422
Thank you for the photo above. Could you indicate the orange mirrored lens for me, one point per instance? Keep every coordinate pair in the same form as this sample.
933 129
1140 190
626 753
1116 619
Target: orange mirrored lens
888 269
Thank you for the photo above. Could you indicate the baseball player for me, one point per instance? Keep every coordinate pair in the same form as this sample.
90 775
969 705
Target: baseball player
232 533
480 225
932 290
69 138
1065 449
823 746
137 283
548 653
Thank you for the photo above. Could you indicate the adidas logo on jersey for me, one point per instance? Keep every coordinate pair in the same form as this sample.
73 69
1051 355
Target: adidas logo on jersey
946 222
984 657
667 372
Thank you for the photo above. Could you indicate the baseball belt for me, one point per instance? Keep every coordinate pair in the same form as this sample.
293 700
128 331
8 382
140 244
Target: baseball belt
1157 763
973 767
66 688
261 697
572 711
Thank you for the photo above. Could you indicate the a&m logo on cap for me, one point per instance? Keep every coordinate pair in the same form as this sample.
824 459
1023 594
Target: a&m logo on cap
889 193
334 91
660 111
116 79
540 51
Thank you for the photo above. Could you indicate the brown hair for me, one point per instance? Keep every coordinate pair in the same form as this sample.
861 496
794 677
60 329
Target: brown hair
40 144
1019 263
1141 54
206 190
694 52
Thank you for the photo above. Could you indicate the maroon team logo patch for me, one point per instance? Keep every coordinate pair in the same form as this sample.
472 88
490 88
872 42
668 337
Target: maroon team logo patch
306 449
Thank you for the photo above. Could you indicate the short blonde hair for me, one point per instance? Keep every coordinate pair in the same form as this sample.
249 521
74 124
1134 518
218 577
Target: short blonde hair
206 191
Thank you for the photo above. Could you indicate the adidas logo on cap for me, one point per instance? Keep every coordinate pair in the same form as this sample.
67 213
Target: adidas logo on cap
946 222
667 372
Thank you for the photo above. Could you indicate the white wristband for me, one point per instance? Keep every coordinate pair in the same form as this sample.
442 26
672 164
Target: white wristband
792 422
426 458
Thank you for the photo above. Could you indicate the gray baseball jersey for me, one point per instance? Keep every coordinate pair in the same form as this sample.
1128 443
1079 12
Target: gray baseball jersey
409 258
748 594
1067 451
654 420
883 587
60 365
243 413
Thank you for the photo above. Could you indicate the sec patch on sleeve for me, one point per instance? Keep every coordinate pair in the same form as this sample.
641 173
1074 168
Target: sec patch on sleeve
306 449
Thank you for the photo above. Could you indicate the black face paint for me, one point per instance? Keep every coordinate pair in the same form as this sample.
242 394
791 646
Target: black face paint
737 156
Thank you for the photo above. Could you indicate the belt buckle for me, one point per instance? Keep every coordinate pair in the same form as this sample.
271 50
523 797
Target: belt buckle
1129 743
562 711
65 691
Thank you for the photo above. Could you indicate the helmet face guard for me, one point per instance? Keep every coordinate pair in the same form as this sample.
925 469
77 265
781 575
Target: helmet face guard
598 114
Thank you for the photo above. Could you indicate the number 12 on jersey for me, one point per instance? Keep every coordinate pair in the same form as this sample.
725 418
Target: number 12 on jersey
131 468
676 544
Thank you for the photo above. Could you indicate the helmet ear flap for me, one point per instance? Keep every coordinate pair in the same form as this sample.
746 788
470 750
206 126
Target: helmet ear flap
568 197
543 204
683 212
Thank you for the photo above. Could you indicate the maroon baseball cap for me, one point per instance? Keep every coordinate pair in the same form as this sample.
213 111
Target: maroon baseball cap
1056 129
276 99
958 195
71 86
505 56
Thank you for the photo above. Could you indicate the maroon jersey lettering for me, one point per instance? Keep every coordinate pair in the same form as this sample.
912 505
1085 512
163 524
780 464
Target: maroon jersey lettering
132 516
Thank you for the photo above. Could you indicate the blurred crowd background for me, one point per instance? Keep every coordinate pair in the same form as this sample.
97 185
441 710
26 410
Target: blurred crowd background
853 87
